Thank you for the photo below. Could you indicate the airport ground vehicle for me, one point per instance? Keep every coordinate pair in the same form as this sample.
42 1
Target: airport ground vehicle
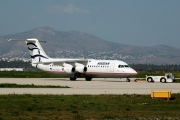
168 77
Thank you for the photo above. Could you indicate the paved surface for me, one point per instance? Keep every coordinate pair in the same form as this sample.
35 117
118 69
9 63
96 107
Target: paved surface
96 86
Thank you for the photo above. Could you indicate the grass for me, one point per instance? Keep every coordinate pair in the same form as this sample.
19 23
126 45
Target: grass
13 85
27 74
142 74
88 107
80 107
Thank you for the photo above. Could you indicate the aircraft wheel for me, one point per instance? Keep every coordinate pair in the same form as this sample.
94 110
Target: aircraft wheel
88 78
127 80
149 79
163 80
73 79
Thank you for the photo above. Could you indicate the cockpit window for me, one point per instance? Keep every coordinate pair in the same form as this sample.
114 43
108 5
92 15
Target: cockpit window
126 65
122 66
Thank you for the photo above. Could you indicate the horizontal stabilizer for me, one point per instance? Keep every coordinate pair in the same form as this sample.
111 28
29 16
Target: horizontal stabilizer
29 40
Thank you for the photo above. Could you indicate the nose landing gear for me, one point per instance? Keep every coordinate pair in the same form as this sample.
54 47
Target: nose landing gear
127 80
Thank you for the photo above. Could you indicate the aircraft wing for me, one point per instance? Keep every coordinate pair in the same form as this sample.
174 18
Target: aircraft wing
61 62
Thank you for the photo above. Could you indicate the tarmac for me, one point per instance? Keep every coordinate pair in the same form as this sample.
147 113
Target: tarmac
80 86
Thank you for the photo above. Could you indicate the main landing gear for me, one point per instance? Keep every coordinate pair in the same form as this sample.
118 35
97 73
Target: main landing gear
88 78
74 77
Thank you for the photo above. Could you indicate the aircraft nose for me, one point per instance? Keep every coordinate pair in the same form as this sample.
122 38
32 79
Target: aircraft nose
134 72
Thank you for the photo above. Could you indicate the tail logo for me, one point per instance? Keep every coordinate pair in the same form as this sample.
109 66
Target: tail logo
35 48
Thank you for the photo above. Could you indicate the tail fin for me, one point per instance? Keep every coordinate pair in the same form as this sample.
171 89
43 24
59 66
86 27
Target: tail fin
36 51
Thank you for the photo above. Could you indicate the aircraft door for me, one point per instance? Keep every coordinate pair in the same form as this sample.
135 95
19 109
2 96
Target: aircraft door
112 67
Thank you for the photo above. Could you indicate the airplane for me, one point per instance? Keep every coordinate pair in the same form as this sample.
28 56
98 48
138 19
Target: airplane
74 68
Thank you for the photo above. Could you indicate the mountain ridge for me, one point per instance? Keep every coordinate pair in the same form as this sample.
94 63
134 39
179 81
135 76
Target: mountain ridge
85 42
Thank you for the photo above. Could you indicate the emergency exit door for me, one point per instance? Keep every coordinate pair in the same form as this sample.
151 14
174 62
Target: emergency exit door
112 67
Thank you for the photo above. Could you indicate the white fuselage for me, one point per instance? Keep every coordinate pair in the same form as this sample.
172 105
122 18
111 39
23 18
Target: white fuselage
95 68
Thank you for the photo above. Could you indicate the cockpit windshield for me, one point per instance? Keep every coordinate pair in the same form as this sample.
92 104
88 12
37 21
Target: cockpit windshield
126 65
123 66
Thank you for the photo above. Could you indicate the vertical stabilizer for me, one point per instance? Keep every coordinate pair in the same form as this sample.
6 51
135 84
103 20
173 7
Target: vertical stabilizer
36 51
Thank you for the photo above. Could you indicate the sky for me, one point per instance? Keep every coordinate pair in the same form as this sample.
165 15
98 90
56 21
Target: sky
131 22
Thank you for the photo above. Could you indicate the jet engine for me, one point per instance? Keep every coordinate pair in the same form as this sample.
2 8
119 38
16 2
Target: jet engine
69 69
81 69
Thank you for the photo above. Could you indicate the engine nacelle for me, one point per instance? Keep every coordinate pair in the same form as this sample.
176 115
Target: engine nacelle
68 69
81 69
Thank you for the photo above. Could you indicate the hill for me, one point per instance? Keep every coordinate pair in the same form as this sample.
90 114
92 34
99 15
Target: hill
80 44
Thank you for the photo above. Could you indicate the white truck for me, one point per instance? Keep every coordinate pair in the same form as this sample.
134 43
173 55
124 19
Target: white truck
169 77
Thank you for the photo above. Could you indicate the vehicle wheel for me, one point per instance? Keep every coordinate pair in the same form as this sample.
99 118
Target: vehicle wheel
127 80
163 80
149 79
88 78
